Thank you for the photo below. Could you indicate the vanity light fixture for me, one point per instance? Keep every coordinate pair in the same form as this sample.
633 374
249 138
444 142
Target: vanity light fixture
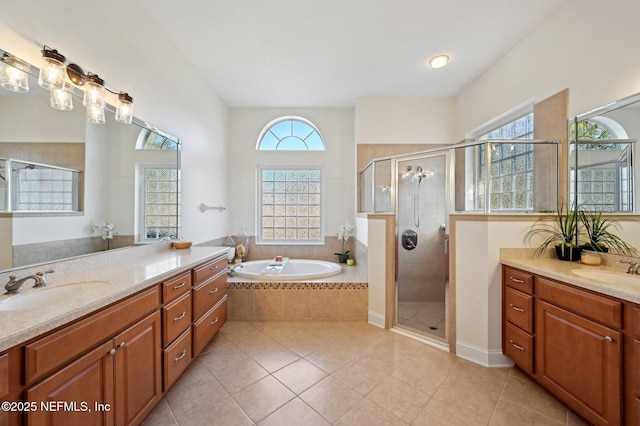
52 77
52 71
14 74
438 61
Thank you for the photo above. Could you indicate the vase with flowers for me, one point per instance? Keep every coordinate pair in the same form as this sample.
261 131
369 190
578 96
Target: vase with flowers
343 235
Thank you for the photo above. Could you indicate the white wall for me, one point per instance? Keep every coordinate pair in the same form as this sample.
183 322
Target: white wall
587 46
405 120
335 125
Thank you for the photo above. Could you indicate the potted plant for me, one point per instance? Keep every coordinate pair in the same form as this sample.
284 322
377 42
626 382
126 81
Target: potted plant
561 231
599 236
343 235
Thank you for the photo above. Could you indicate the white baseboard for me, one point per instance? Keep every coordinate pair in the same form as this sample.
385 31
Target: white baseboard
482 356
376 319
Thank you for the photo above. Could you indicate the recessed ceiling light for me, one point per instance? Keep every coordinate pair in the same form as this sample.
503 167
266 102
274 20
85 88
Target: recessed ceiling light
438 61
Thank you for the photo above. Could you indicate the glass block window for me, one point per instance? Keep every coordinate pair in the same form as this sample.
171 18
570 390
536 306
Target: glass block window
290 205
161 196
290 134
43 188
512 166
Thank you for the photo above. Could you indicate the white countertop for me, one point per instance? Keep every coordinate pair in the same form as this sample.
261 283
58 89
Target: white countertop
562 271
125 277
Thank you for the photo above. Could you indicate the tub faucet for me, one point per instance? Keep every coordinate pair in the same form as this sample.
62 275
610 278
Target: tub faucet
232 269
14 284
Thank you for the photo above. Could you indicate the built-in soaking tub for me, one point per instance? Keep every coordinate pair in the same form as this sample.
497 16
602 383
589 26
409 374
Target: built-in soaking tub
293 270
303 290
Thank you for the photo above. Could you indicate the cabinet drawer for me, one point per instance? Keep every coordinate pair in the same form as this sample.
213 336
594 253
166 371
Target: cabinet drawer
517 279
209 269
176 286
518 346
518 309
177 318
4 375
599 308
206 327
207 294
52 351
177 358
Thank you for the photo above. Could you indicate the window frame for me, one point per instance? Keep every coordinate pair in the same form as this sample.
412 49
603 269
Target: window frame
259 196
279 120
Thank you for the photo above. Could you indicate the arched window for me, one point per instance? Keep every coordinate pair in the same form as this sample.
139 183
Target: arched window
290 134
149 139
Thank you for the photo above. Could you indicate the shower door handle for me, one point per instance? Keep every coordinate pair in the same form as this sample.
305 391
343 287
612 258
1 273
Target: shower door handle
446 246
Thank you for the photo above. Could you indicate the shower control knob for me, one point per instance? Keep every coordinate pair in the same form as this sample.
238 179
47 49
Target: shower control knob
409 239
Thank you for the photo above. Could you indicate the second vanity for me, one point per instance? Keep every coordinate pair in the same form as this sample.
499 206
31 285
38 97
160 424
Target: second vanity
575 330
108 356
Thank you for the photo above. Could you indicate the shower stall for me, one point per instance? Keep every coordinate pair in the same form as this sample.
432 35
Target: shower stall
422 189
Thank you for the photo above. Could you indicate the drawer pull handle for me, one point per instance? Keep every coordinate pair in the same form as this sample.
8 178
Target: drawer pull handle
182 355
180 286
516 280
112 352
518 347
179 317
214 321
215 290
515 308
214 267
608 339
122 345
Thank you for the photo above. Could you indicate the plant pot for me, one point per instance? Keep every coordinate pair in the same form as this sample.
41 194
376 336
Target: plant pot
342 258
570 253
601 249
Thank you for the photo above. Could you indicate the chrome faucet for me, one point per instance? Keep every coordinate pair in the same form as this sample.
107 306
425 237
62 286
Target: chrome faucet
14 284
232 269
634 267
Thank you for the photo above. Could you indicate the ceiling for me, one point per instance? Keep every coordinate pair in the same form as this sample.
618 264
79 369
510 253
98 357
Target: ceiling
282 53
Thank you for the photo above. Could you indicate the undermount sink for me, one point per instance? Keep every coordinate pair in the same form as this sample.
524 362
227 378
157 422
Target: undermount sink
47 296
609 277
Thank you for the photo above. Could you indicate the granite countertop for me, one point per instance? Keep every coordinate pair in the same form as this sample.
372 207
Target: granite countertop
563 271
116 280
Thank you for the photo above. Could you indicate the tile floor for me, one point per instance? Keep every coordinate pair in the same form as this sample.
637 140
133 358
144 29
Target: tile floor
427 317
279 373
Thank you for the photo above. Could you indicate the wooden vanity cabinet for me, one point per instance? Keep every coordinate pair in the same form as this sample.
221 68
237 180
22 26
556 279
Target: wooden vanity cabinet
575 345
209 302
118 382
517 312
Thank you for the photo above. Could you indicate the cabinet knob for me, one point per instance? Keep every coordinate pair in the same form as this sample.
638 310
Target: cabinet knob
214 321
215 290
608 339
122 345
182 355
112 352
179 317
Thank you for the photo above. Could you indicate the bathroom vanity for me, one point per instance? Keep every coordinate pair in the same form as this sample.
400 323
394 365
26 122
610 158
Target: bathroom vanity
116 353
577 337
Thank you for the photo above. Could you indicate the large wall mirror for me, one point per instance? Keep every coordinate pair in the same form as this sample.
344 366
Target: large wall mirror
70 188
603 174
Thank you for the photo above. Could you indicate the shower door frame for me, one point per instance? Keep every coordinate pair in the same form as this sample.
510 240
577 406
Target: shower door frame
449 201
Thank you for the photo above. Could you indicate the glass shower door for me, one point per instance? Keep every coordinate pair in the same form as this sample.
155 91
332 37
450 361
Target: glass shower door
421 268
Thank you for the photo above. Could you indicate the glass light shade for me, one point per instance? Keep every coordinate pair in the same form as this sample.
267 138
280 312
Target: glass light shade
61 99
52 71
94 92
95 115
124 110
14 74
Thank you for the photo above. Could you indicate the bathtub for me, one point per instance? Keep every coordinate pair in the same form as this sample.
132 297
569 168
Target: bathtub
293 270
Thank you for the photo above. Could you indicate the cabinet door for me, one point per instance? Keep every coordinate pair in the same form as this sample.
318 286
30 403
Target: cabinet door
72 394
138 370
580 361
